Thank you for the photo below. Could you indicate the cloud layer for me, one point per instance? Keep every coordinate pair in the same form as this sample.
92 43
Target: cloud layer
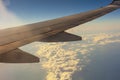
61 60
7 17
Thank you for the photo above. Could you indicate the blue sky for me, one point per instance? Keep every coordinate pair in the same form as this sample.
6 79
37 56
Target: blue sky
37 10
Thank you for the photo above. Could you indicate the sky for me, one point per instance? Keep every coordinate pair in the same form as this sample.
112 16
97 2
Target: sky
20 12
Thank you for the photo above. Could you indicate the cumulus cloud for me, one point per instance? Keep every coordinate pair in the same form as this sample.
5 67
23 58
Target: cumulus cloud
100 37
103 39
7 17
60 63
61 60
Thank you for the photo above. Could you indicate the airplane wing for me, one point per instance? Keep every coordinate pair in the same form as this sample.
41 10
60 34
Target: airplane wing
18 56
48 31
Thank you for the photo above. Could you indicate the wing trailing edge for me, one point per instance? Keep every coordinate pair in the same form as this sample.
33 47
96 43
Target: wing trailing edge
62 37
18 56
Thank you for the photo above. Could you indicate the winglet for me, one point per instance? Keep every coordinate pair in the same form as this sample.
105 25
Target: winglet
116 2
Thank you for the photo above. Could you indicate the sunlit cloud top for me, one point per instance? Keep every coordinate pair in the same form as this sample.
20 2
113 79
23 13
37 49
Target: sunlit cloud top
61 59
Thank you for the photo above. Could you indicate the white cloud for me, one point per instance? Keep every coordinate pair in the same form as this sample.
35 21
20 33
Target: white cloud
61 59
7 17
60 63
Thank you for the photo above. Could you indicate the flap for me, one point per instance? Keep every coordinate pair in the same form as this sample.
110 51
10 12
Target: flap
18 56
62 37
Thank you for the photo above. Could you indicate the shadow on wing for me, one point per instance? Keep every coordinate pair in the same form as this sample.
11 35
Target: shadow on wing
62 37
18 56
